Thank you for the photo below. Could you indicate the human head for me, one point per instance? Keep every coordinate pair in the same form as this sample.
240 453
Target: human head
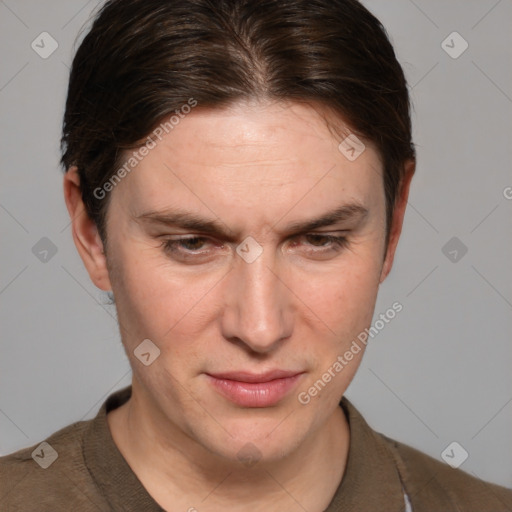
270 89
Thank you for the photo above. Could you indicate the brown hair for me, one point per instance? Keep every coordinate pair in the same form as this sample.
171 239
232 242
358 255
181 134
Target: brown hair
144 59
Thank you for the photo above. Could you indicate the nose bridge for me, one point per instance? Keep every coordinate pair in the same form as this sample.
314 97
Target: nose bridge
258 315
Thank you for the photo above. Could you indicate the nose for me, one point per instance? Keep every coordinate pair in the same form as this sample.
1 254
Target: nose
258 308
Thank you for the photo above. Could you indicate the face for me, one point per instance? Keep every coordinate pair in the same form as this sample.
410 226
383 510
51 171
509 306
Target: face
216 256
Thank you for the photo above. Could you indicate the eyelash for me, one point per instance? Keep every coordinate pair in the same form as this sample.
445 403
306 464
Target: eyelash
338 243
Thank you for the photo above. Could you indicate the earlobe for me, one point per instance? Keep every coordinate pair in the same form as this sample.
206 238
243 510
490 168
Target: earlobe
85 233
398 219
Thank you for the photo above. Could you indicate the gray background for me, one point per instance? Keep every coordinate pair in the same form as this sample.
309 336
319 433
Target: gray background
439 372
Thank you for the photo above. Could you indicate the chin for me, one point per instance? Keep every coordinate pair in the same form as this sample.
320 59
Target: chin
249 441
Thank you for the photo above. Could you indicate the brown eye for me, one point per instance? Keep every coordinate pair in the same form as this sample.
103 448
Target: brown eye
191 244
328 241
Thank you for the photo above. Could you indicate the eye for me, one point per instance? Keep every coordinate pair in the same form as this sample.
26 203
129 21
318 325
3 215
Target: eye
184 245
319 243
197 248
330 241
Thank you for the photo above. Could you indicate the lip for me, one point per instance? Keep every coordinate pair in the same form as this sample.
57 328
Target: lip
255 390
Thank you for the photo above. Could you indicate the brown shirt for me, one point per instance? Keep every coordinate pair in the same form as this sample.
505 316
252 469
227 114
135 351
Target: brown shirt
90 474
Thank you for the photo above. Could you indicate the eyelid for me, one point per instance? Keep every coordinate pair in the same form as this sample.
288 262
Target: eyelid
192 236
337 238
335 243
334 239
171 245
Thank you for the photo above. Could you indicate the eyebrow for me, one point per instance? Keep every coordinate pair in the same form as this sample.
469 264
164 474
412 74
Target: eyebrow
190 221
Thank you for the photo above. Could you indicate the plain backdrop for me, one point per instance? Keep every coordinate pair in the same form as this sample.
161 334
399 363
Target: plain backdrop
439 372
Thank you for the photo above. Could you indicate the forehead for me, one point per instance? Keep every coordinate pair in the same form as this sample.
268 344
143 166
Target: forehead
252 155
241 131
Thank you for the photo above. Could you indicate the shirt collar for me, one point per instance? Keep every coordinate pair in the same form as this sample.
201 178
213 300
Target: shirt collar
370 482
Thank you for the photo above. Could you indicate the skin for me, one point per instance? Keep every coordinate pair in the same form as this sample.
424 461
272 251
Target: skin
256 168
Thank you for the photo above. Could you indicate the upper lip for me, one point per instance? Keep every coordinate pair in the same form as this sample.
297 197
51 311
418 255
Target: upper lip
243 376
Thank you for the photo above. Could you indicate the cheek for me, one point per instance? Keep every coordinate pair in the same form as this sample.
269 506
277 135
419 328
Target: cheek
344 298
343 306
155 304
154 301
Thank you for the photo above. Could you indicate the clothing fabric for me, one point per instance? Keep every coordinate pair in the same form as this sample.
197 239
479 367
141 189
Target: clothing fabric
90 474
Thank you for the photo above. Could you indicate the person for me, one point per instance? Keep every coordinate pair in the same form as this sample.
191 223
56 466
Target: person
237 174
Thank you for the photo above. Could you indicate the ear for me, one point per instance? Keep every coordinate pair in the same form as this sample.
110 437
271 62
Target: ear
85 233
397 219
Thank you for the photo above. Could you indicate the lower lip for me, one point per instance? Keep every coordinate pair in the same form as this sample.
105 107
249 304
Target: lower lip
254 394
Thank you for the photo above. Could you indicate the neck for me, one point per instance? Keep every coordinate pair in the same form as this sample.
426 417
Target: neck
180 474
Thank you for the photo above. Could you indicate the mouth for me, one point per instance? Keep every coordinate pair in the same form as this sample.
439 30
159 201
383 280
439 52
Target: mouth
248 389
